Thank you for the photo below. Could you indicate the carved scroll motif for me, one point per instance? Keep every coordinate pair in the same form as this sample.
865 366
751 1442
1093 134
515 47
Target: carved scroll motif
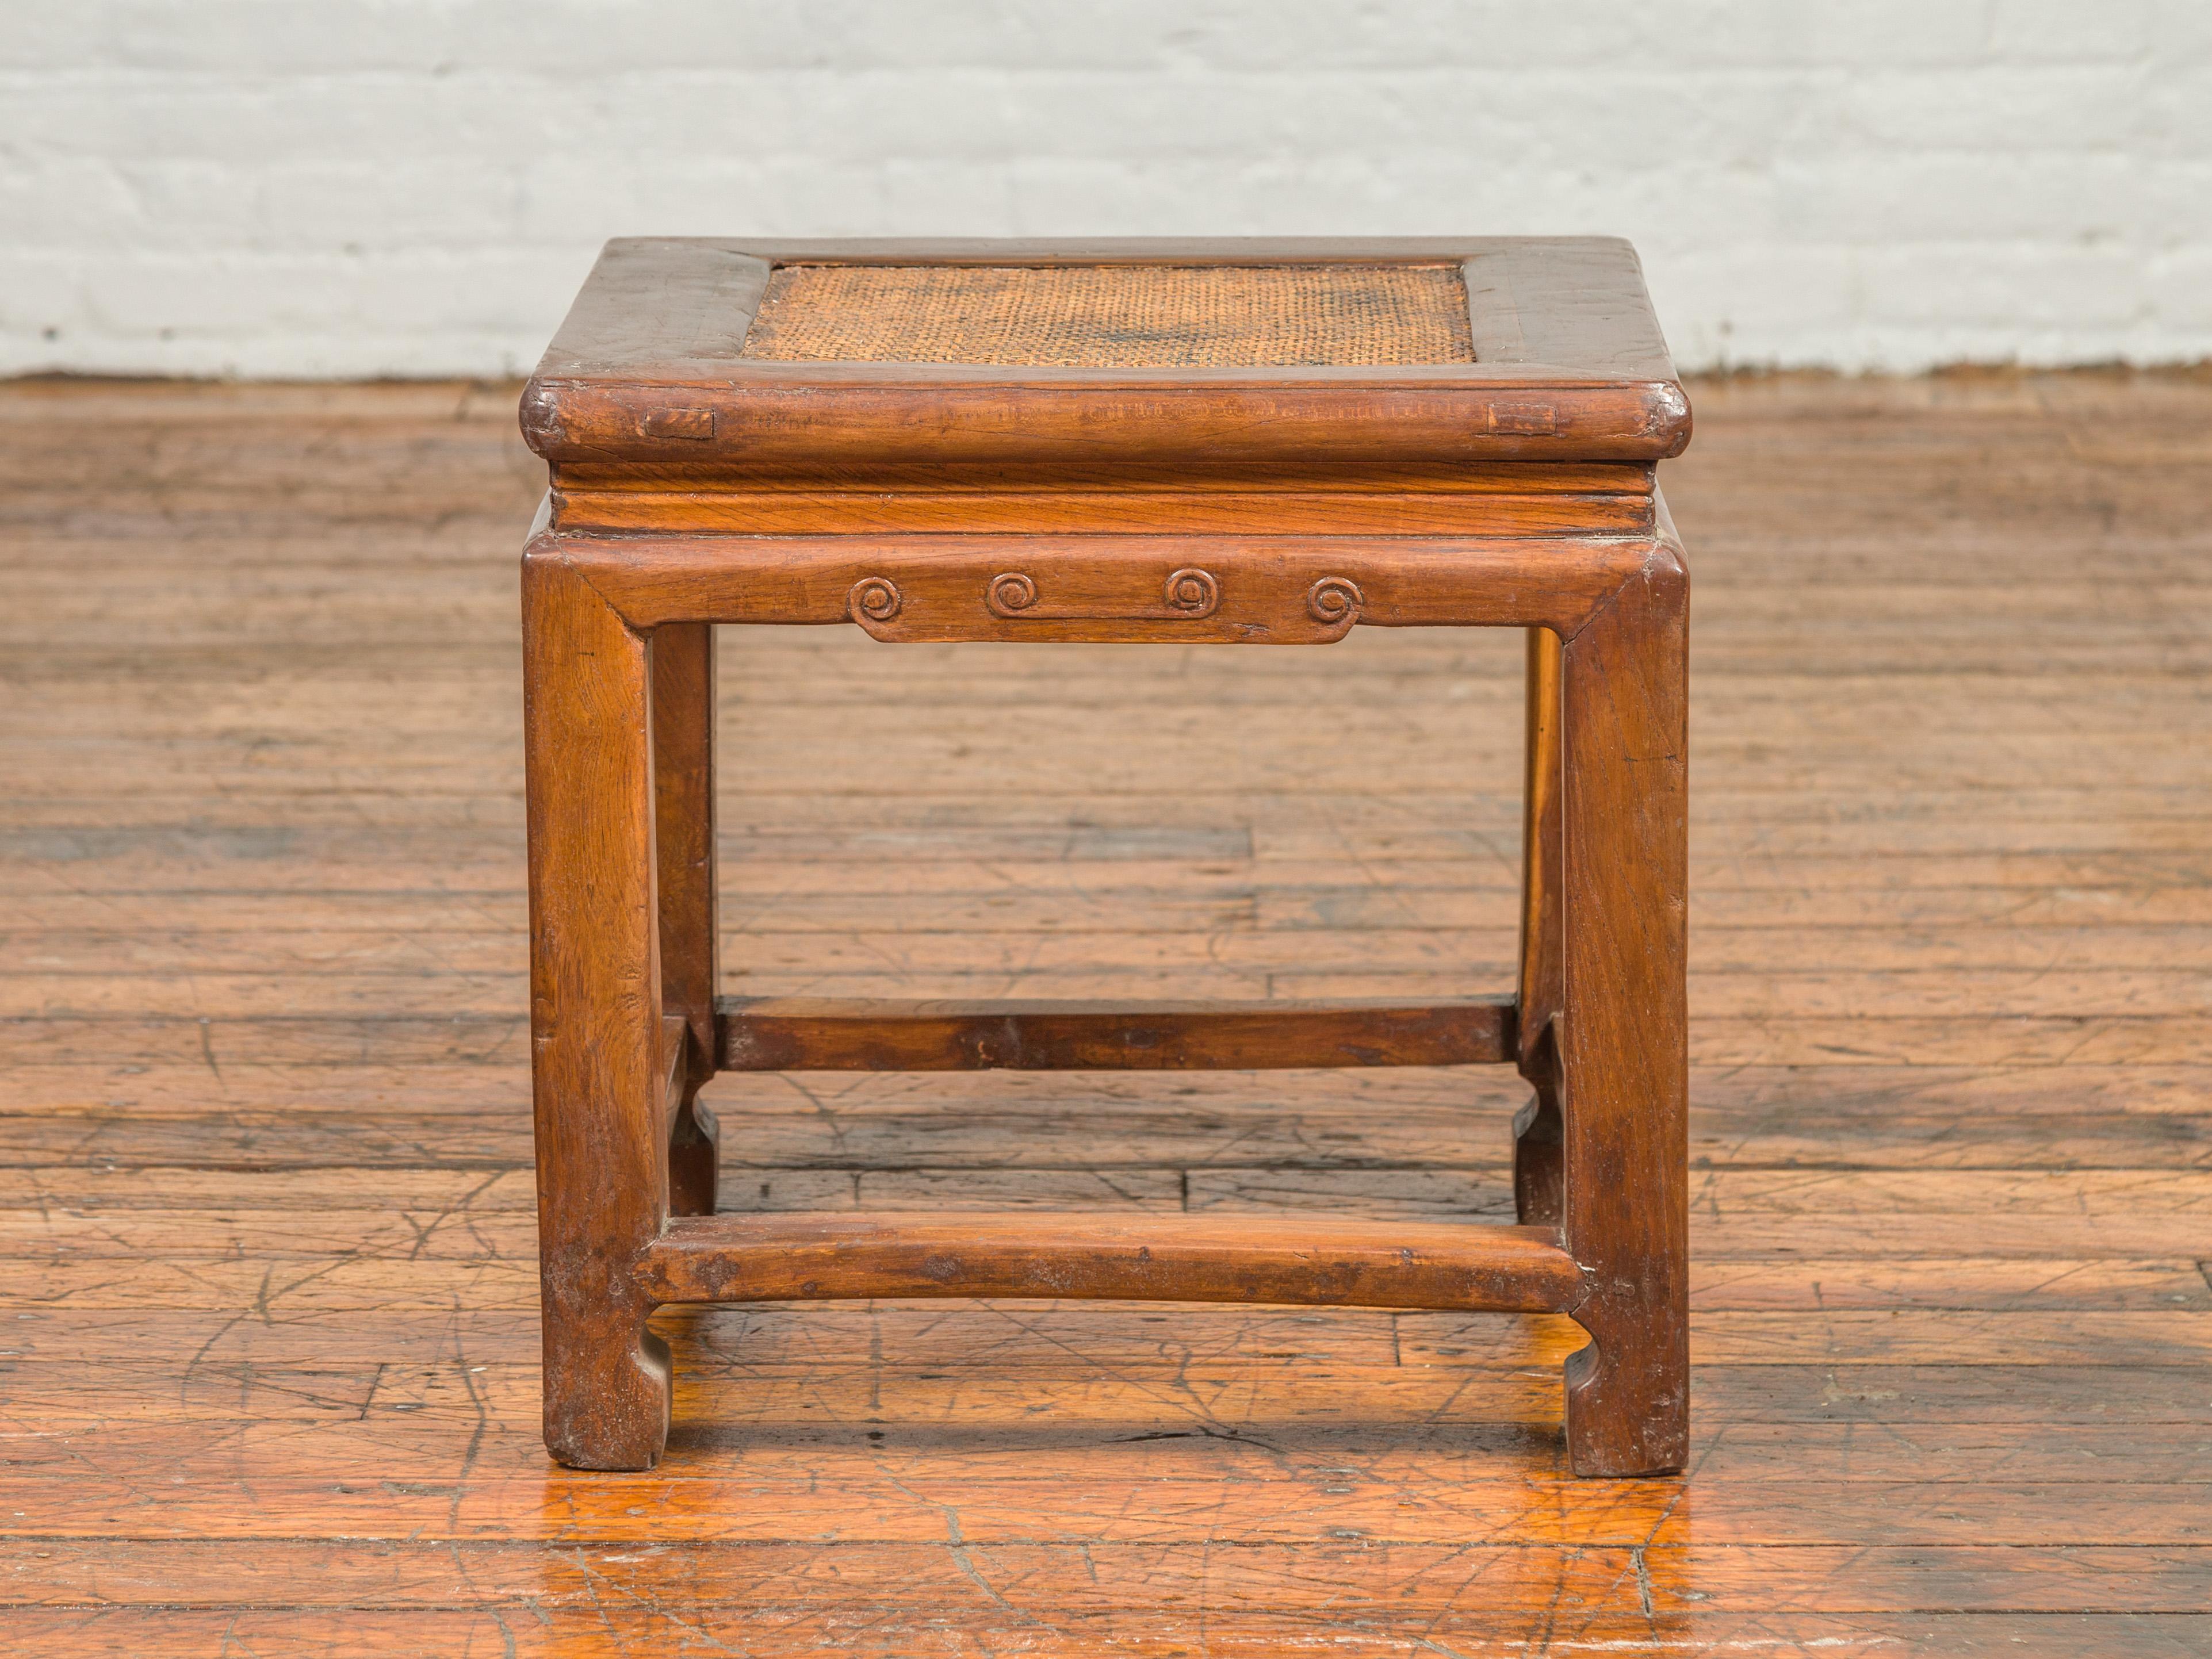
874 598
1075 599
1333 601
1187 595
1193 592
1010 594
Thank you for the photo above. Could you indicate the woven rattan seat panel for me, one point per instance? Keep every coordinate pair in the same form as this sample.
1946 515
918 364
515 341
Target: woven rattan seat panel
1114 316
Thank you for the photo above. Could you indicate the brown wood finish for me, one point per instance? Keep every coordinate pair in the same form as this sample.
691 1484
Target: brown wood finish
1539 1135
599 1058
1293 510
1600 573
682 661
649 367
1632 1380
1117 496
798 1035
1323 1262
1620 1034
268 1236
1268 590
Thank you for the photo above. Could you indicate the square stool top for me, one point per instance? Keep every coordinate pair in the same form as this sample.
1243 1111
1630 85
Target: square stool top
695 355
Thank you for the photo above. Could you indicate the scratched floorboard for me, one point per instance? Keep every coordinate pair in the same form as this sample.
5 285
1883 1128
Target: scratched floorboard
267 1360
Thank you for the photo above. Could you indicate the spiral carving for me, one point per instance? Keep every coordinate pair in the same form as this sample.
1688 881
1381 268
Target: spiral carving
1334 599
1192 593
876 598
1011 593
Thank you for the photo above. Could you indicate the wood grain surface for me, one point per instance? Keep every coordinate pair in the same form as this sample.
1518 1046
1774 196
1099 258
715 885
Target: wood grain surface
271 1372
651 368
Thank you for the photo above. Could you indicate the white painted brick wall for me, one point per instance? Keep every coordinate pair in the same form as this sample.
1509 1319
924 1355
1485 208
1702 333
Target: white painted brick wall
350 187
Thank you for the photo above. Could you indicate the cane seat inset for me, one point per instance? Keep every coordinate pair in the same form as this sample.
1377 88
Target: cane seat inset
1116 316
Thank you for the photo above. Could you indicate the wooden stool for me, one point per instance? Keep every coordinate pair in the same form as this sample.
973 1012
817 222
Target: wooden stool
1232 442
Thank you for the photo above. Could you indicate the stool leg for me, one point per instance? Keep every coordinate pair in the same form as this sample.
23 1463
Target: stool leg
1537 1137
594 1019
683 658
1622 1039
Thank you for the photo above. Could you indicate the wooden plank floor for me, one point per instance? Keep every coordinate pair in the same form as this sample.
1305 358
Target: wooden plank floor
268 1379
